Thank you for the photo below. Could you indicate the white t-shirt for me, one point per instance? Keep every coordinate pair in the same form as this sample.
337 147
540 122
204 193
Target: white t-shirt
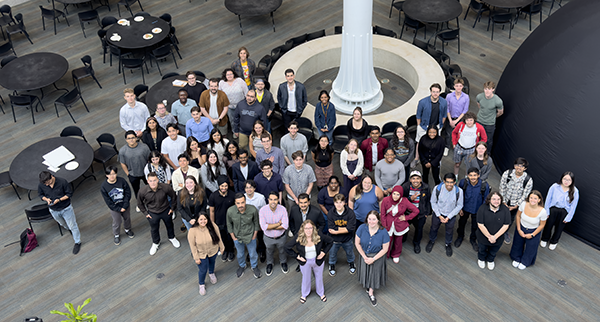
468 137
291 98
173 148
374 152
532 222
310 252
213 112
244 171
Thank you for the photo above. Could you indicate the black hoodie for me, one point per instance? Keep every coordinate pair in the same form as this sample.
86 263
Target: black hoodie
346 220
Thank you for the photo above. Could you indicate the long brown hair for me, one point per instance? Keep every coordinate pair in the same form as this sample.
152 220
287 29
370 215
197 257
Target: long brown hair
358 190
539 195
376 213
184 193
302 235
211 228
486 154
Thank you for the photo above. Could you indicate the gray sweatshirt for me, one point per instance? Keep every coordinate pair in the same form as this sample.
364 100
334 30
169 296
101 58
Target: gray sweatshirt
389 175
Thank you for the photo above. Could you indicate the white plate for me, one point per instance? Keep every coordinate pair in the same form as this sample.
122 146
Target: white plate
138 18
72 165
156 31
148 36
115 38
122 22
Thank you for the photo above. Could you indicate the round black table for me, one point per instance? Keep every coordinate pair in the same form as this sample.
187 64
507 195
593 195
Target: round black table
508 4
26 167
432 11
132 35
164 90
33 71
252 8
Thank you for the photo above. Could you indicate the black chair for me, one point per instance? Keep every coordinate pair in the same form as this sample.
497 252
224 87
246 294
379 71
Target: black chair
174 41
529 10
448 35
451 69
296 41
18 28
337 30
415 25
384 32
142 14
467 86
6 18
7 60
305 126
108 21
552 6
167 75
40 213
479 7
6 48
411 126
275 54
107 149
421 44
140 92
340 138
502 18
84 72
276 118
127 4
387 131
26 101
264 67
54 15
282 49
315 35
6 181
116 51
88 16
134 63
398 5
102 36
437 55
162 53
72 131
68 99
167 17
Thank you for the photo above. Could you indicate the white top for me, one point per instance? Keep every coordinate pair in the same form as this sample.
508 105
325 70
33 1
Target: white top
134 118
374 153
219 148
468 137
213 112
244 171
359 167
173 148
291 106
235 92
532 222
310 252
258 200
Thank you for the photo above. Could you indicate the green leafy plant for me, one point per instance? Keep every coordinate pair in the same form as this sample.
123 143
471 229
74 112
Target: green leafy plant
73 315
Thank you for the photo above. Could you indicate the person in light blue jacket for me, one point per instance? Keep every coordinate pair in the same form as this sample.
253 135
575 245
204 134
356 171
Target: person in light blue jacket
561 203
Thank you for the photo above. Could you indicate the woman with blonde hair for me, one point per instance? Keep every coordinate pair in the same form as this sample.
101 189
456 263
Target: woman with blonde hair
310 247
352 163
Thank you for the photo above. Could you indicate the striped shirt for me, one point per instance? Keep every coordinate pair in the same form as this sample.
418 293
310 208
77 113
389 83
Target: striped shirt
266 216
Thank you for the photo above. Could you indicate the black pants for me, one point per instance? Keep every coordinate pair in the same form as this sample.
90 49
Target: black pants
227 241
260 242
462 223
135 183
488 253
288 117
555 220
155 225
418 223
447 133
435 171
489 131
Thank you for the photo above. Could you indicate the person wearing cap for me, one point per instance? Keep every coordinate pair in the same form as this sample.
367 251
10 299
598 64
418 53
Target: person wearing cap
265 98
418 193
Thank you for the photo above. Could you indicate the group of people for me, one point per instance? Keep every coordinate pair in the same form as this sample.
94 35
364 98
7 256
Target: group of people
229 193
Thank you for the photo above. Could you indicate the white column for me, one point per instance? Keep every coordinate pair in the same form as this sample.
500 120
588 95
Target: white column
356 84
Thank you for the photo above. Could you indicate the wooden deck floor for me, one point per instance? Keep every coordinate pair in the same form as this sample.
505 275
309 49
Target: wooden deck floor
122 280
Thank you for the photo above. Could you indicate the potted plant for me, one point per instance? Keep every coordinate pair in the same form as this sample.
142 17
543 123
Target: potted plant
76 315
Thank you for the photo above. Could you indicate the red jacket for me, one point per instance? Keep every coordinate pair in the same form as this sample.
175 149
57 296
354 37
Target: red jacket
404 205
481 136
367 150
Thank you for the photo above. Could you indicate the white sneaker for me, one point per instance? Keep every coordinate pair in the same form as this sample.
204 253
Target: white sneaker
137 209
175 242
481 264
396 260
552 246
521 266
491 266
213 278
515 264
445 152
202 290
543 244
154 248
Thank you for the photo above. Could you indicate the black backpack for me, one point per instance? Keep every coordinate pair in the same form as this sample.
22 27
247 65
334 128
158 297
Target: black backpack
484 186
28 241
438 188
525 180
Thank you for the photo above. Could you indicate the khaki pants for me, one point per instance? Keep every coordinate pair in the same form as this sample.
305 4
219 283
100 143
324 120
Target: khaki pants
243 141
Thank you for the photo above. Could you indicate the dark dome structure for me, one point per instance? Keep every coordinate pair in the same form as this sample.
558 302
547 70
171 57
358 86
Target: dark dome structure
550 90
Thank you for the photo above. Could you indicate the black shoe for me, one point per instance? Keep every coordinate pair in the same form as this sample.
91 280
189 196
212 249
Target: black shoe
76 248
298 268
331 269
117 240
429 246
417 248
130 233
269 270
352 269
263 257
449 250
231 257
284 268
458 242
224 257
240 271
256 272
475 246
373 300
182 228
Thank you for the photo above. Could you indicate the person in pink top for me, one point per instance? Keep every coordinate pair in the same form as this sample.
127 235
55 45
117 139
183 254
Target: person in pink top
394 218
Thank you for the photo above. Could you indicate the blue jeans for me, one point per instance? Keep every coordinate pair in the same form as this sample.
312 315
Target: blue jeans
328 133
348 248
66 218
241 253
206 264
187 224
268 125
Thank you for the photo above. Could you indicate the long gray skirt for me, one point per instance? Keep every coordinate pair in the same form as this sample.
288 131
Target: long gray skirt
374 275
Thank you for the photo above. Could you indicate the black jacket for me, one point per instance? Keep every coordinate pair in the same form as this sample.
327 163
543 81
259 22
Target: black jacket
161 134
185 212
314 214
424 201
431 150
323 246
238 177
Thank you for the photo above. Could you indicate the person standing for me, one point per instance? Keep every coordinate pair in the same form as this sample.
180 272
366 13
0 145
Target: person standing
431 112
243 225
372 148
323 157
493 219
173 146
431 149
274 222
363 198
215 105
404 147
475 192
191 201
210 171
291 96
57 193
235 88
342 223
244 66
531 219
298 177
193 87
325 117
396 212
182 108
154 134
183 171
246 113
358 128
254 140
163 117
218 205
490 108
515 185
292 142
458 106
352 165
158 164
301 212
417 192
153 201
325 197
198 126
116 194
271 153
133 114
265 98
561 203
268 181
465 137
389 172
311 248
133 156
481 160
205 243
243 170
446 202
372 243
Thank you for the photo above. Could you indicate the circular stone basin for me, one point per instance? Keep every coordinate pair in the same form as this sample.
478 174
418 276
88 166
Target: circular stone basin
394 55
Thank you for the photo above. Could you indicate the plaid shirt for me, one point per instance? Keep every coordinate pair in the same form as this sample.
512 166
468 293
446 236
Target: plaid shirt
512 191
